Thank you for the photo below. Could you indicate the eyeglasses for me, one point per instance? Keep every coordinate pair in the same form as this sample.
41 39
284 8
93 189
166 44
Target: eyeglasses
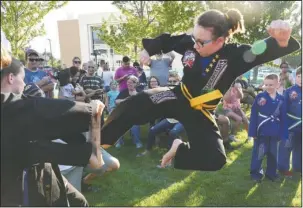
77 62
33 60
91 67
200 43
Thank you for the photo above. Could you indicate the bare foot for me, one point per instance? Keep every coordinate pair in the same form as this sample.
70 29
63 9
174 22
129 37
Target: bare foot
167 158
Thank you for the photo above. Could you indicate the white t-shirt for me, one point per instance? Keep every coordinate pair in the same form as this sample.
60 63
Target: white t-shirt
107 77
67 91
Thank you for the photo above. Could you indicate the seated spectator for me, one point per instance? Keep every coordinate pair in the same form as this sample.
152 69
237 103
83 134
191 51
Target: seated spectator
232 108
223 125
132 82
142 77
67 90
248 91
174 127
153 82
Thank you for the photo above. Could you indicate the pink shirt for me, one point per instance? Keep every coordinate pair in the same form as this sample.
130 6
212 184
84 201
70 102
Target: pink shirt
233 102
125 71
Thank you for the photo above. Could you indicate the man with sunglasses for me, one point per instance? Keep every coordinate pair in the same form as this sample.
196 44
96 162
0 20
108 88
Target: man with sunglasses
33 74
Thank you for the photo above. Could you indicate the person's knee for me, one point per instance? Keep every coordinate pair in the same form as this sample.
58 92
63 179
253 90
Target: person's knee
173 133
113 164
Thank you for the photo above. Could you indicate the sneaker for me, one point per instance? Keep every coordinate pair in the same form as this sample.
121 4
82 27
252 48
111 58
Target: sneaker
139 145
256 179
118 145
233 138
143 153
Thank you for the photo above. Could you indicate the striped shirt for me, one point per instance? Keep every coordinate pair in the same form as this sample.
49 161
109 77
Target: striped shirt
94 83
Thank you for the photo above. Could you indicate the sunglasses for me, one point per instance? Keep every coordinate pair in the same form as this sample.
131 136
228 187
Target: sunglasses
33 60
77 62
200 43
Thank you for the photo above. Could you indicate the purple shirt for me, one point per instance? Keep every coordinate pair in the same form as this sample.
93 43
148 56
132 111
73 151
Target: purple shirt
125 71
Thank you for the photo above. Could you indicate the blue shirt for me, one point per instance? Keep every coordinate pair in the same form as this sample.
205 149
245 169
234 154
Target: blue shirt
112 95
268 117
33 77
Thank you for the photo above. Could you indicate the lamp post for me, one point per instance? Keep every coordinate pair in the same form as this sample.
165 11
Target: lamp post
50 46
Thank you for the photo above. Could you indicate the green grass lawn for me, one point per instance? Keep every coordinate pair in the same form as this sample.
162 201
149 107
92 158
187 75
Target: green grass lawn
139 183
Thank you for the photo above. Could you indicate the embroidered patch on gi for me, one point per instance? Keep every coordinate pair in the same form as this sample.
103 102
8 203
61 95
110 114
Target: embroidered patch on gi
262 101
163 96
293 95
189 59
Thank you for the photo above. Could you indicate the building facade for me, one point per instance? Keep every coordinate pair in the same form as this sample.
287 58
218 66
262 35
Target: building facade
78 37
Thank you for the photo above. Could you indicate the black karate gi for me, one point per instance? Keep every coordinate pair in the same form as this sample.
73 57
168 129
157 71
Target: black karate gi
205 149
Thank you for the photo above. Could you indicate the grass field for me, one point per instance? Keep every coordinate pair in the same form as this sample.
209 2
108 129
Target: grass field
139 183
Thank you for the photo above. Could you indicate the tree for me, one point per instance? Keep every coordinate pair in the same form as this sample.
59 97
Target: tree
21 22
142 19
258 15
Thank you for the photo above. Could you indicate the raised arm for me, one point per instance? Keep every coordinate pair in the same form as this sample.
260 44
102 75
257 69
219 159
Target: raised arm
279 44
163 44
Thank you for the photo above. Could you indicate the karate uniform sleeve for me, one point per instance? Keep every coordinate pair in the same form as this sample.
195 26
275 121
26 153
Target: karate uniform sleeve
42 118
253 123
283 121
246 60
63 154
166 43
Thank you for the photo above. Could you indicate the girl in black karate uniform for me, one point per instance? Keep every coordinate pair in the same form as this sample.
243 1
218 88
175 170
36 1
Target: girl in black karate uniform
210 66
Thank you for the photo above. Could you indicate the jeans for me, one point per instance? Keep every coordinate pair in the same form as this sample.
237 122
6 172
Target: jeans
135 134
162 126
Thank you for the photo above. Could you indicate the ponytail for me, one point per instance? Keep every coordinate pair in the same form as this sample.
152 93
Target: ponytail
222 24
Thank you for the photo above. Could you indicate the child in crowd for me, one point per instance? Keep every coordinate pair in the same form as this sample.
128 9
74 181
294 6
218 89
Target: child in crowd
267 126
293 99
111 96
67 90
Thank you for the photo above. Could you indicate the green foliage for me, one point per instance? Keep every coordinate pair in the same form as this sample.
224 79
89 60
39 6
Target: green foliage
143 19
258 15
22 21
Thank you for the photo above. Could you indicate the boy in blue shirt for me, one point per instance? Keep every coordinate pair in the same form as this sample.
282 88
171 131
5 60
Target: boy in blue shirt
293 99
267 126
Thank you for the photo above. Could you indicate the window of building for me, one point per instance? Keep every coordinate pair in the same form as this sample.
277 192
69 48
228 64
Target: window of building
95 38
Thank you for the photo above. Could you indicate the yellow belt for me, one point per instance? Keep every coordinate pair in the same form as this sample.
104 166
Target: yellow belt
198 103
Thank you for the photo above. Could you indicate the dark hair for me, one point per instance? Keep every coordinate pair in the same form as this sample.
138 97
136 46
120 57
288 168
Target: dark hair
272 77
136 64
125 59
284 63
299 71
152 78
64 78
223 24
15 68
76 57
73 71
